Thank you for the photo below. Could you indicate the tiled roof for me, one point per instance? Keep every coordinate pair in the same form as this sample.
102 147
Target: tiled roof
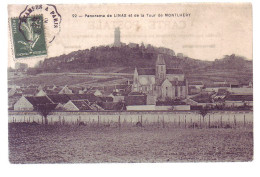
106 99
218 85
121 86
239 98
146 71
38 100
196 83
90 97
174 71
31 91
135 94
178 83
81 105
108 106
50 106
59 98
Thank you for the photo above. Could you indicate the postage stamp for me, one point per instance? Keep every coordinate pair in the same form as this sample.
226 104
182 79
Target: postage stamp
28 36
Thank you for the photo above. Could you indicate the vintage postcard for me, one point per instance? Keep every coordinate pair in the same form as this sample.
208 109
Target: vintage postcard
91 83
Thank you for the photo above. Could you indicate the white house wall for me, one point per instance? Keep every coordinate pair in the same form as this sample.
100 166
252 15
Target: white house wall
23 105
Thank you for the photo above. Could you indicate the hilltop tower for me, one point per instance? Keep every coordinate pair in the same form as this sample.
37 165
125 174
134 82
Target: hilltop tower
117 37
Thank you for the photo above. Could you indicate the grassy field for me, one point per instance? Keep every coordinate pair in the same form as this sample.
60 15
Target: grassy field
82 144
68 79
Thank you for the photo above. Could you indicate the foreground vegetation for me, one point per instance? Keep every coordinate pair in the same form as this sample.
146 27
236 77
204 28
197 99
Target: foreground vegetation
33 143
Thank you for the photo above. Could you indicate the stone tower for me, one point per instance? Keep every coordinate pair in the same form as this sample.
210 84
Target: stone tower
117 37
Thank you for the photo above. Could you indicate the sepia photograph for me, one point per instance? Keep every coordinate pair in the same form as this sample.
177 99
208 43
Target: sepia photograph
130 83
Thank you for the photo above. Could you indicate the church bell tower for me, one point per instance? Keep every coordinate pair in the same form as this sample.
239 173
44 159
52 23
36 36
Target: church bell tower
160 70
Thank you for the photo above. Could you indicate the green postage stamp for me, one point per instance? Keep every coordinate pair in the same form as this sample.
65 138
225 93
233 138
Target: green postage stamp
28 36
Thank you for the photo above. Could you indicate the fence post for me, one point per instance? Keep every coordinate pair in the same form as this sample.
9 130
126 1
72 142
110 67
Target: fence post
221 121
119 124
158 122
185 121
203 120
98 121
200 121
244 120
209 121
179 122
163 122
235 122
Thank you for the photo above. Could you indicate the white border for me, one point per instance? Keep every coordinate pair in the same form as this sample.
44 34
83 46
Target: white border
157 169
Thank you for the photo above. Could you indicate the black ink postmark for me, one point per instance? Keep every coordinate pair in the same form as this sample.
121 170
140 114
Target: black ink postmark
51 18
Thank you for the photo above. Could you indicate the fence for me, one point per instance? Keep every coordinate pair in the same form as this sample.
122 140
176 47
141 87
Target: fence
182 119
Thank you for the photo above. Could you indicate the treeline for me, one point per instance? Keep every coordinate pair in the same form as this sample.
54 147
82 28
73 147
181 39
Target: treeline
124 56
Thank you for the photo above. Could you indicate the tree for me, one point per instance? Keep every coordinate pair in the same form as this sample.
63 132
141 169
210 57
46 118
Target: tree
120 106
45 109
204 111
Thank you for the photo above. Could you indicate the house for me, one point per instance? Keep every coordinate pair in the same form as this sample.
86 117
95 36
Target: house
220 95
41 93
83 90
197 84
52 91
136 98
59 107
117 97
65 90
108 106
29 92
97 93
241 90
11 91
30 103
202 99
90 97
76 90
238 100
77 105
216 87
106 99
195 87
96 107
150 99
181 107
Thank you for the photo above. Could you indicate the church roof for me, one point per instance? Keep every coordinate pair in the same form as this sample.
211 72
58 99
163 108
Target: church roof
174 71
146 71
178 83
160 60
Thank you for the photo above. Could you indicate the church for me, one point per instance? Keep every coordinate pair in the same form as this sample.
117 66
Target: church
161 82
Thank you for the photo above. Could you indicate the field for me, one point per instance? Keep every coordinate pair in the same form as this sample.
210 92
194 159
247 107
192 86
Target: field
32 143
71 79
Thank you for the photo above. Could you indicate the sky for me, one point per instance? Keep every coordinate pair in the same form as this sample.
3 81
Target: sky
208 32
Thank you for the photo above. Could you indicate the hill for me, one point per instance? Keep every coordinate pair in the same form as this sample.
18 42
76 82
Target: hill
125 56
124 59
